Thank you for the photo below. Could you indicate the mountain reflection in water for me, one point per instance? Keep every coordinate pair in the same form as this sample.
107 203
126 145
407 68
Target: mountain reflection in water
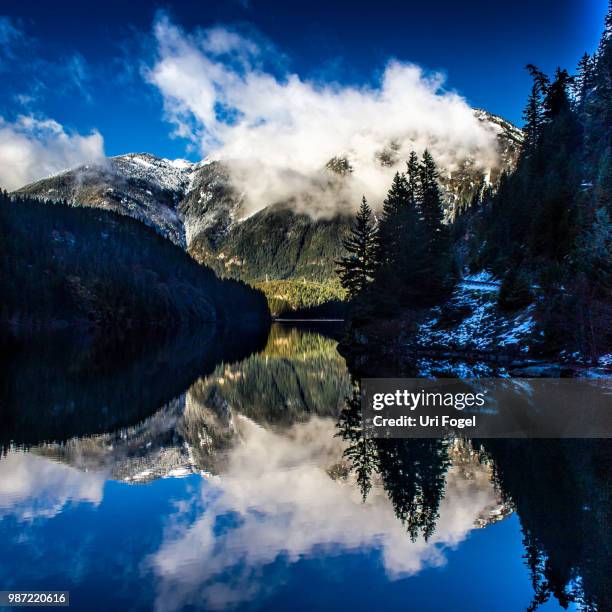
277 484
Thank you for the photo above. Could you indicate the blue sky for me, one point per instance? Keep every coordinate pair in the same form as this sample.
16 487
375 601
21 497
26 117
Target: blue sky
87 66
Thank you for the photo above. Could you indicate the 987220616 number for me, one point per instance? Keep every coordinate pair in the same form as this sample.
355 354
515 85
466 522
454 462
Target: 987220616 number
34 598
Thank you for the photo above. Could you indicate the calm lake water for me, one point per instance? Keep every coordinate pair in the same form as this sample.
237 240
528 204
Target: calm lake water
215 473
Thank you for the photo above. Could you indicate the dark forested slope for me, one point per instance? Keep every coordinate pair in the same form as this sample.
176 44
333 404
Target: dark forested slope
61 264
547 231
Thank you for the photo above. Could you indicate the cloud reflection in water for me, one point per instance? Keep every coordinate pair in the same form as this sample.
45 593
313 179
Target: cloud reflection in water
277 501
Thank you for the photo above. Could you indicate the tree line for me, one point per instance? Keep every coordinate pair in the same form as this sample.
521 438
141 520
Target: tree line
404 257
545 229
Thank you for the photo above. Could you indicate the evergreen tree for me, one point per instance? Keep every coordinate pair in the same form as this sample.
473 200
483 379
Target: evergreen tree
403 266
431 199
539 78
437 236
557 100
412 472
583 82
356 269
533 117
390 232
534 113
412 178
361 450
553 230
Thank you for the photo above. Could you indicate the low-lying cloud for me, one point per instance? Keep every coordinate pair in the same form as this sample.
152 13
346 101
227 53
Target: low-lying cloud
279 132
32 148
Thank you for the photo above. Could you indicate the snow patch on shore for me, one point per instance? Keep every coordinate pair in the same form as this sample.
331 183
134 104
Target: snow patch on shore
471 320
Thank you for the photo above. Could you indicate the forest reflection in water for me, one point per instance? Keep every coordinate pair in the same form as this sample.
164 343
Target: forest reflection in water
270 431
560 489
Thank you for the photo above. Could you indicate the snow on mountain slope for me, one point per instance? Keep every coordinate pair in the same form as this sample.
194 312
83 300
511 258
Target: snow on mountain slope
211 205
169 175
137 184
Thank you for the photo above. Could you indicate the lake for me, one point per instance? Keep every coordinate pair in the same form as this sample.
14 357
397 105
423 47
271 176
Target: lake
227 472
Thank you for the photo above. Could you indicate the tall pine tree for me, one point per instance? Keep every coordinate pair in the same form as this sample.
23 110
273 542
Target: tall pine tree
437 236
412 178
431 198
402 260
389 242
583 82
356 268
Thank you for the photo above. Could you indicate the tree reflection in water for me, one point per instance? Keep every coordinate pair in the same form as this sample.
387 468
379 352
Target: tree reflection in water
560 489
412 472
261 417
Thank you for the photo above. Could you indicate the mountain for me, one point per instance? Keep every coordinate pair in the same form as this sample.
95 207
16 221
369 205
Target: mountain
199 207
137 185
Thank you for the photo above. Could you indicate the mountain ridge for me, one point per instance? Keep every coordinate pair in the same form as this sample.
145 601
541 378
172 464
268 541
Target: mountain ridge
197 206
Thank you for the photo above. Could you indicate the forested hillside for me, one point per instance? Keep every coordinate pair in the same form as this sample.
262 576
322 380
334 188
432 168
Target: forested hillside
545 232
61 264
289 256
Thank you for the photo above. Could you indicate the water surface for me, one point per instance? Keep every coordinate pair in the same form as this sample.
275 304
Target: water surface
214 474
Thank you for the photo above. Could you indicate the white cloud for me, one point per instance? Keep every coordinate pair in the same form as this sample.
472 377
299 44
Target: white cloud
32 148
220 41
280 131
35 487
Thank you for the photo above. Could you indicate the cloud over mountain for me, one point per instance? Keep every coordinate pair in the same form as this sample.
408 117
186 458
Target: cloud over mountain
280 130
32 147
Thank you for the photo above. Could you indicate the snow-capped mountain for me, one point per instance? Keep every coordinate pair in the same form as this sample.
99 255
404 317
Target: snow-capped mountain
199 207
140 185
